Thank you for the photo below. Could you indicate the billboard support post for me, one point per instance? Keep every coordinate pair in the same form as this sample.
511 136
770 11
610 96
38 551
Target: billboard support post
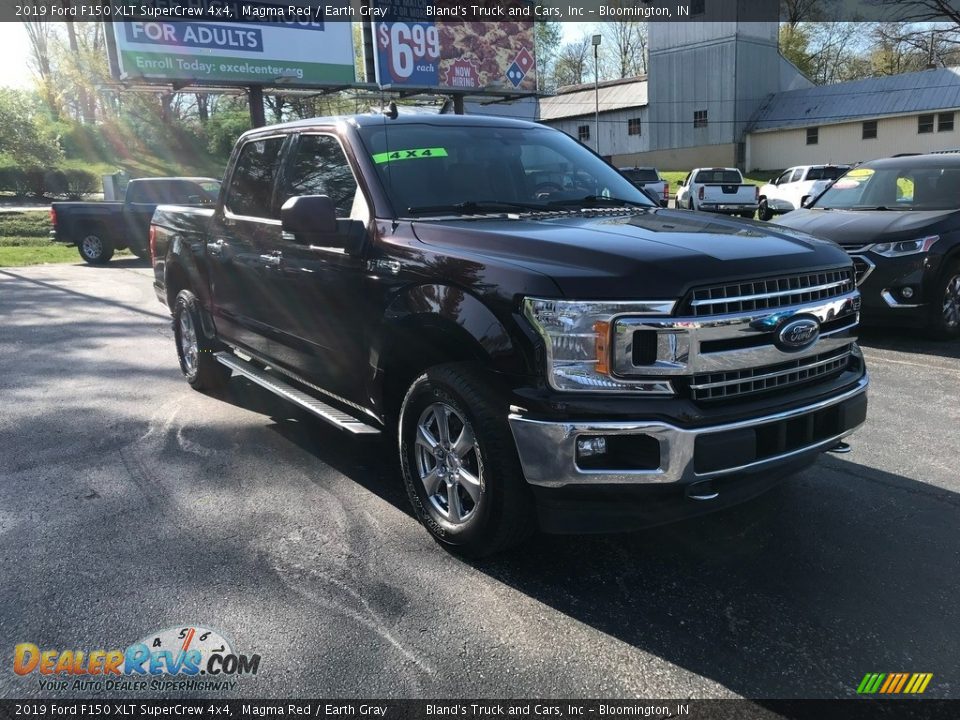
257 117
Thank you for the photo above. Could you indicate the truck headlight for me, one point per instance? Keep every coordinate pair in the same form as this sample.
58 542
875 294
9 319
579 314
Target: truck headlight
577 335
907 247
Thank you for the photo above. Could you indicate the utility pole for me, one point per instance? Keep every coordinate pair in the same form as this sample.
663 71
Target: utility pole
596 89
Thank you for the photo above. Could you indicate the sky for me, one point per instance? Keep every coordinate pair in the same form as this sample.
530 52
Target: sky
14 71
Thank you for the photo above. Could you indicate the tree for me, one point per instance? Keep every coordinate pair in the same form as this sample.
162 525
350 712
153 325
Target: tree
26 135
797 11
925 10
547 37
624 48
41 35
794 44
571 65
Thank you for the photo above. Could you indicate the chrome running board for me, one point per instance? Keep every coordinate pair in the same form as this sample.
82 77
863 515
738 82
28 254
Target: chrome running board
278 387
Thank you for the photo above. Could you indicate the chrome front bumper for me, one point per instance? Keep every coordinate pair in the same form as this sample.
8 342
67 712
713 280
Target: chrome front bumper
548 450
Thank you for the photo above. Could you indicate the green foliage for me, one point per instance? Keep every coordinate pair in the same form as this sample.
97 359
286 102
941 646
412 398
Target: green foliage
26 133
794 41
14 180
80 183
23 228
223 129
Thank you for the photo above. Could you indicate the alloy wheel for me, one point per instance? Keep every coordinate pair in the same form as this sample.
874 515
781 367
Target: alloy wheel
448 463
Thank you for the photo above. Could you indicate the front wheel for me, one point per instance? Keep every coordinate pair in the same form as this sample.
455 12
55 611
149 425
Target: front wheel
95 248
194 350
459 463
945 323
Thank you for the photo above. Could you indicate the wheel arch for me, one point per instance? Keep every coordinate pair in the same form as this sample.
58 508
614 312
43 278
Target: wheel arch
434 324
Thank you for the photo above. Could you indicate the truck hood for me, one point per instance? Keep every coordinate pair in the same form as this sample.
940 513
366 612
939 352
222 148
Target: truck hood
858 227
653 254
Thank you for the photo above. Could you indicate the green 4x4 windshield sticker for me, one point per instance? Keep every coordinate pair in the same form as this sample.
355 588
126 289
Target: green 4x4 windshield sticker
409 154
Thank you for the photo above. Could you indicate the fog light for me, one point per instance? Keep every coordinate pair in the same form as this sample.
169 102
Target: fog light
590 446
907 292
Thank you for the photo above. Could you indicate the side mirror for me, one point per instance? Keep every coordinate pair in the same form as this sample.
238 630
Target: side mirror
806 201
312 220
307 216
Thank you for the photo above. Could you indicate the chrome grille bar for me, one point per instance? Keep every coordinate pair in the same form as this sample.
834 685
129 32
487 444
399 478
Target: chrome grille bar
715 386
771 292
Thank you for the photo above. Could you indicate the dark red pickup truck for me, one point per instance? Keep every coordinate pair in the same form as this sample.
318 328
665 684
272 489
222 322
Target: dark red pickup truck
543 344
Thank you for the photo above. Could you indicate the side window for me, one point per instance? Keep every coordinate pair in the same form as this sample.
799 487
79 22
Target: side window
686 181
797 175
319 167
251 185
785 177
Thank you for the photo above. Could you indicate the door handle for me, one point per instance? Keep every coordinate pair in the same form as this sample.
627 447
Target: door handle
273 259
216 248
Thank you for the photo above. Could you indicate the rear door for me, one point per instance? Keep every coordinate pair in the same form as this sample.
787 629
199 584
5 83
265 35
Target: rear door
243 233
319 292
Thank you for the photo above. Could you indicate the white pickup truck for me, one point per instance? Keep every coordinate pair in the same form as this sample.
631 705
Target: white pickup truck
648 178
720 190
788 191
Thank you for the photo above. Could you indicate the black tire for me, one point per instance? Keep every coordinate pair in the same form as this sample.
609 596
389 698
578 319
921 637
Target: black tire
747 215
94 246
945 305
501 516
764 212
141 252
198 365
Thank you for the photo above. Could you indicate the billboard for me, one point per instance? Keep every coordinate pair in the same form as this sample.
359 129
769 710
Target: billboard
262 48
417 47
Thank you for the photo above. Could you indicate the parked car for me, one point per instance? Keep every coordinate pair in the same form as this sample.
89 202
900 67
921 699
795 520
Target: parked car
719 190
791 188
573 358
98 229
899 219
648 178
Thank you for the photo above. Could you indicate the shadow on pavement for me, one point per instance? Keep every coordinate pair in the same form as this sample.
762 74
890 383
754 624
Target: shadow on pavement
907 341
842 570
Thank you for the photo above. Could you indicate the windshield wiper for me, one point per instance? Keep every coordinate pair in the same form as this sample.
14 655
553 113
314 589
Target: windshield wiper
472 207
598 200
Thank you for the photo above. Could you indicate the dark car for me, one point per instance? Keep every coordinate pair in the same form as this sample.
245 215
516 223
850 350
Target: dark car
98 229
899 218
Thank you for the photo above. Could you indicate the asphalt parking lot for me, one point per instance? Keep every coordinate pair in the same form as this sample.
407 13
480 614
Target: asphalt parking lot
130 503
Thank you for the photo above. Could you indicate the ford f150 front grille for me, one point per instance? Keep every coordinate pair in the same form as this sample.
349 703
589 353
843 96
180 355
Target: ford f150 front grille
736 383
771 293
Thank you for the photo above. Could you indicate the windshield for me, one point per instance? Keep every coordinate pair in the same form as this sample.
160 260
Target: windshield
719 177
826 173
434 167
895 188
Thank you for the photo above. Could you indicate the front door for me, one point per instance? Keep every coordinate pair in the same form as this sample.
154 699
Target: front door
319 292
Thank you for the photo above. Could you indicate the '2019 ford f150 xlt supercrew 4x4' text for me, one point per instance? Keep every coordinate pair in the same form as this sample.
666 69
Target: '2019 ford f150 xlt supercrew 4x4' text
548 347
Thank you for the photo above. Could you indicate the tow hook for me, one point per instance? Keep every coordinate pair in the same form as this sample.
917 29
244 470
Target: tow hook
703 490
841 448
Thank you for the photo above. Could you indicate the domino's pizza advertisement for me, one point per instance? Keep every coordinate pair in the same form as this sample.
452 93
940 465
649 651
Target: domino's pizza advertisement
418 48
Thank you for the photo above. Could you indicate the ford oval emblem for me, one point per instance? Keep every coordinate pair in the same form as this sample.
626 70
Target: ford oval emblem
798 333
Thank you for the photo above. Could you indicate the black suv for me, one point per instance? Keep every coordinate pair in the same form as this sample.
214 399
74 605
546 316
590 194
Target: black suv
899 218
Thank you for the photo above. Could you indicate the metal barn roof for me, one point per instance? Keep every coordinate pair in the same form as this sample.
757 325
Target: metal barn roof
937 89
579 99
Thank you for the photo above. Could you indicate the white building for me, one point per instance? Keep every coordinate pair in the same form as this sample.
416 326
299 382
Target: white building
720 94
858 120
